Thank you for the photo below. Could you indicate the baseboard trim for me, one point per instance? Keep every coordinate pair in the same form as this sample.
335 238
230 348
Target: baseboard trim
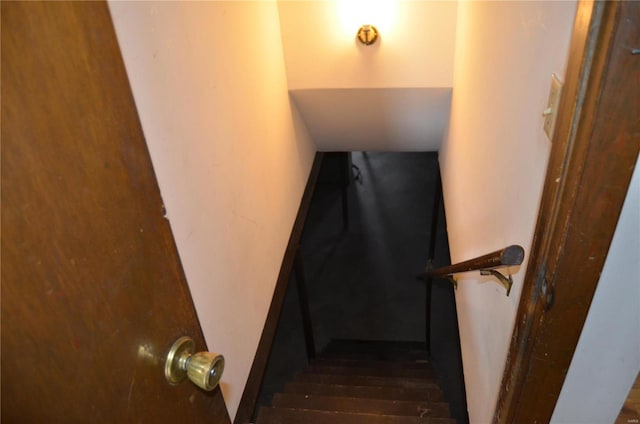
258 368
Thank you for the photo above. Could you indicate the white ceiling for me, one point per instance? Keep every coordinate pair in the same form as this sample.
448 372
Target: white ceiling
392 96
375 119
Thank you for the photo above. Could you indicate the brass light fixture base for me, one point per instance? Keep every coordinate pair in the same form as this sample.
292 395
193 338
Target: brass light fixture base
368 34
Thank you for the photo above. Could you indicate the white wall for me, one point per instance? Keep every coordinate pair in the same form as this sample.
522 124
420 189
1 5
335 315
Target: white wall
493 163
231 155
356 97
416 46
607 358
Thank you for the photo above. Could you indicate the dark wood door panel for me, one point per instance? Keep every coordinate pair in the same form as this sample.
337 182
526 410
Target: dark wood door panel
93 293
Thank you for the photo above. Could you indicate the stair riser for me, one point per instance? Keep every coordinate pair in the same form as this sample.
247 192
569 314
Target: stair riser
285 415
352 363
371 372
388 393
355 380
378 356
366 406
376 350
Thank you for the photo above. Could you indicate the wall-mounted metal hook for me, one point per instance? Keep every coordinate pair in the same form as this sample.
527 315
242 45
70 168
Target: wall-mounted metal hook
506 282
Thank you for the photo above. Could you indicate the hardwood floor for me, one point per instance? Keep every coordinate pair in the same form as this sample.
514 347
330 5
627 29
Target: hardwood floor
630 412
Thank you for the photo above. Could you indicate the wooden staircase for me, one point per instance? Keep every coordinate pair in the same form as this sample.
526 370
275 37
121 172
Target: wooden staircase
362 382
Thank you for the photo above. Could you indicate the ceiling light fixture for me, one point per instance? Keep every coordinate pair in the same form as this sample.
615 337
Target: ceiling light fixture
368 34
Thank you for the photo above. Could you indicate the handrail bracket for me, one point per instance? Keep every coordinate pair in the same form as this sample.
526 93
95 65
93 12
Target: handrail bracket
506 282
453 281
509 256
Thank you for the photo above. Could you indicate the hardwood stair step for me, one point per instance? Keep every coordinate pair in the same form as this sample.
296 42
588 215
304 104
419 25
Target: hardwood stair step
395 372
305 416
360 380
361 405
369 392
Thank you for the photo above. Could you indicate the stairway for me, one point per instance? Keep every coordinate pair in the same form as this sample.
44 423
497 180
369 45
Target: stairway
362 382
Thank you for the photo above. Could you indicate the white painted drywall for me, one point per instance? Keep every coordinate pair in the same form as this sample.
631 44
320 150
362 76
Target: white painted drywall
375 119
391 96
494 162
416 46
230 153
607 358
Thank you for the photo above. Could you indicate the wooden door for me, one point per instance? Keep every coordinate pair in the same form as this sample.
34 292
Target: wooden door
93 293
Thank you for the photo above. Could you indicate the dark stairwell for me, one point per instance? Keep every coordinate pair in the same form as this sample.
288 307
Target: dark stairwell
360 274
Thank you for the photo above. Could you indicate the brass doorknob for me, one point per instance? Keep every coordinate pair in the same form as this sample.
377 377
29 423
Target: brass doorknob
204 369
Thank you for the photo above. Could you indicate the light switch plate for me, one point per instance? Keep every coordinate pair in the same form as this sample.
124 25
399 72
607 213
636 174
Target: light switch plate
551 112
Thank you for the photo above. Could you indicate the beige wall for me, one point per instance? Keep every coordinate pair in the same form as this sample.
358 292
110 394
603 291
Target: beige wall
415 49
494 161
230 153
356 97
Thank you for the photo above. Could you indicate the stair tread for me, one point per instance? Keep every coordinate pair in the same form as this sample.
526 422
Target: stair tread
360 380
289 415
394 372
370 392
361 405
